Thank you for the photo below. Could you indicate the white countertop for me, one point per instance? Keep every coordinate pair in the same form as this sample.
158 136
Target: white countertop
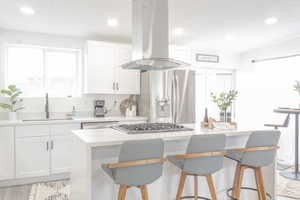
74 120
109 136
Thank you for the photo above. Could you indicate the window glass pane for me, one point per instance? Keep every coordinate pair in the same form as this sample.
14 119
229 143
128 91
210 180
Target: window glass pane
61 68
25 69
38 70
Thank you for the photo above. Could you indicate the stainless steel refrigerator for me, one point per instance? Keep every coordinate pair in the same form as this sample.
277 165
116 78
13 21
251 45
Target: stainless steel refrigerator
168 96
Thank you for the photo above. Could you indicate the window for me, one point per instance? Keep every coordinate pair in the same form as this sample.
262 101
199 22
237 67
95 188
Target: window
38 70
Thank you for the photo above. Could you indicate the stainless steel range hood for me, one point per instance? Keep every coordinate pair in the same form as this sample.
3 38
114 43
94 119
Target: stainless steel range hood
147 64
150 30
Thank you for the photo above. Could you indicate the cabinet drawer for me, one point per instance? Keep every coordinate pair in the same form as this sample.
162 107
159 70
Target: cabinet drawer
63 129
32 131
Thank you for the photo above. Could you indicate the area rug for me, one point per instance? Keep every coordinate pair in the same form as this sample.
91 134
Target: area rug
288 188
50 191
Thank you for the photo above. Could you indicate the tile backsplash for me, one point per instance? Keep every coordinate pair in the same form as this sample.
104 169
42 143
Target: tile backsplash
59 107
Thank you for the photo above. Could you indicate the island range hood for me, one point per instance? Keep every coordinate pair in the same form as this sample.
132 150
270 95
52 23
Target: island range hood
150 31
167 85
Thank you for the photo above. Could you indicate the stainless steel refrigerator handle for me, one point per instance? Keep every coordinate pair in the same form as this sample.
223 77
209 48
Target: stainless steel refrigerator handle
183 94
173 99
176 98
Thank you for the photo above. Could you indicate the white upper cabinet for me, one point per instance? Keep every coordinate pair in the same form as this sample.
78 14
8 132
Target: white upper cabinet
102 72
128 81
7 153
99 68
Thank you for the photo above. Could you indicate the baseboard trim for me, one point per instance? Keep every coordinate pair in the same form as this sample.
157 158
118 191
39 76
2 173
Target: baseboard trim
25 181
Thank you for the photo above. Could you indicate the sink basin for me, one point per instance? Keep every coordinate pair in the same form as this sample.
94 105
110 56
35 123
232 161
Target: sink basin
44 120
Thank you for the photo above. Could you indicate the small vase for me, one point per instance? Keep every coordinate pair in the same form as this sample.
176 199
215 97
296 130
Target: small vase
12 116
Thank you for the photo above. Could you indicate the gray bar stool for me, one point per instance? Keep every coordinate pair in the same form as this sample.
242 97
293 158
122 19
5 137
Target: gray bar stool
204 156
260 152
284 125
280 165
140 163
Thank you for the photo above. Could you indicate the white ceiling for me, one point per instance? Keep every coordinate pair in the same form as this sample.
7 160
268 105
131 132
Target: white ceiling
206 22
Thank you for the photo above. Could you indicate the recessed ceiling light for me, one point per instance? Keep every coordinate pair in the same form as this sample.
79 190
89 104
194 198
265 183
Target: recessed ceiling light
271 20
112 22
178 31
27 10
229 37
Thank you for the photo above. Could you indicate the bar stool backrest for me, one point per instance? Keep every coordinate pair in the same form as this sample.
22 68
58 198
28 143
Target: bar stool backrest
261 139
286 121
201 144
140 150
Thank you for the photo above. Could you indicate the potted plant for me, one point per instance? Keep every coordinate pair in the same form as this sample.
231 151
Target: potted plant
297 88
14 101
224 100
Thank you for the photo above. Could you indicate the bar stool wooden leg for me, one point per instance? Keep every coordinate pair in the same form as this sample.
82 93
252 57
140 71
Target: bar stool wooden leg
144 192
211 187
261 187
236 177
122 192
239 182
196 187
257 179
181 185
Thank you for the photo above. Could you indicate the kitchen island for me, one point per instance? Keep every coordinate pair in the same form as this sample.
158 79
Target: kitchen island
91 148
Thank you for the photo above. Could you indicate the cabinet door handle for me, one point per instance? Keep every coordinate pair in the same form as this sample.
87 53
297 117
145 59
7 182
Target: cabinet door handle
117 86
114 86
52 144
47 146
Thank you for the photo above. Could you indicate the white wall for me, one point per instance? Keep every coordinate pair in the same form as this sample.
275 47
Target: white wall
267 85
58 105
249 81
226 60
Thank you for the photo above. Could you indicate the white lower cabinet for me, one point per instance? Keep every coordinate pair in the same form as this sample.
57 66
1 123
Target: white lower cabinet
32 156
7 153
60 154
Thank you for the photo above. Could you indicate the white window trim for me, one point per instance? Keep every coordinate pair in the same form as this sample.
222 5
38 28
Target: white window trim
48 49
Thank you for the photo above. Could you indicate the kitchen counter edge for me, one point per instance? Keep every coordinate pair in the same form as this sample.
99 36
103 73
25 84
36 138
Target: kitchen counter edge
5 123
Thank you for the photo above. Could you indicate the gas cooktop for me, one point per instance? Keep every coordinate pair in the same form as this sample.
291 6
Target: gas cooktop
150 128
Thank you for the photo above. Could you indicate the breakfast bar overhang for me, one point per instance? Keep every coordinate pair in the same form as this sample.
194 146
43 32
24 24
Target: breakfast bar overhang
91 148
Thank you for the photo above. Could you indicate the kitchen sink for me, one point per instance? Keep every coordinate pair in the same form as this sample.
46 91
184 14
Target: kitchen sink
43 120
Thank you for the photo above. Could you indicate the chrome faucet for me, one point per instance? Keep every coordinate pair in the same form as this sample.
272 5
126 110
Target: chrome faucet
47 107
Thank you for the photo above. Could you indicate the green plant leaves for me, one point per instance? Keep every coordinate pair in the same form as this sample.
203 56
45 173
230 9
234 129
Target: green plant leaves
297 87
6 92
13 93
224 100
5 106
12 88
